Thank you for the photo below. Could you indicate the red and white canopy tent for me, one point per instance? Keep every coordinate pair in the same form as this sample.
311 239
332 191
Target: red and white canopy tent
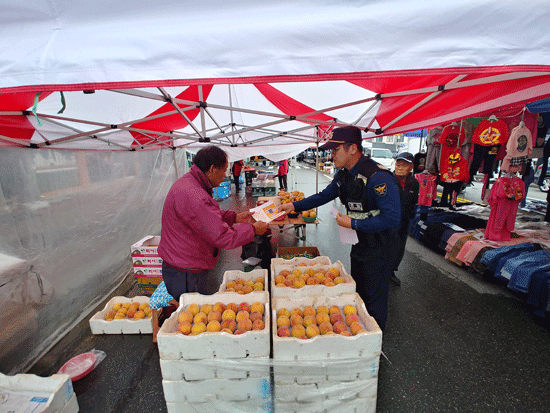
249 117
260 79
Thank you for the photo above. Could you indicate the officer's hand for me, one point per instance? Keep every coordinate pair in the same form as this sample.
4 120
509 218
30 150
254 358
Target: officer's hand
286 207
245 217
343 220
260 227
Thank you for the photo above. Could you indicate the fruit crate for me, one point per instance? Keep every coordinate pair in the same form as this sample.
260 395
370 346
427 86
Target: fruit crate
250 275
301 261
99 325
327 347
293 252
307 393
148 285
173 345
146 247
325 406
278 265
325 371
219 406
54 394
215 368
217 389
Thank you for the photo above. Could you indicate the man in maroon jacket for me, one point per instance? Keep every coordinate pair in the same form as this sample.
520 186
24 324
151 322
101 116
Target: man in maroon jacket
195 229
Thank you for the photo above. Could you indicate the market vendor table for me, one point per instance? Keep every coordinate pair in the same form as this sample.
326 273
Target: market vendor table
298 224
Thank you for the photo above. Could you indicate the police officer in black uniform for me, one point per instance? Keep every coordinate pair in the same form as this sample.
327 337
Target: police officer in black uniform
370 194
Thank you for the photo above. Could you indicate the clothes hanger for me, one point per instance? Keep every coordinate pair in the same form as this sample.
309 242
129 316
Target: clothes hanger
493 118
521 123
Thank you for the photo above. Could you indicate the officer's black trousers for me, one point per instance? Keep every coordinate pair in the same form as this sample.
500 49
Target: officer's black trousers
372 277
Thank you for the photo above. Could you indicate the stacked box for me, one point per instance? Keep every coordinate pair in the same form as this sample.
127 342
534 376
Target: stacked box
321 262
292 252
27 392
327 372
223 191
147 264
216 371
99 325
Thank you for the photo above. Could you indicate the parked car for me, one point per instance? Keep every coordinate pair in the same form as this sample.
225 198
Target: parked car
546 181
382 156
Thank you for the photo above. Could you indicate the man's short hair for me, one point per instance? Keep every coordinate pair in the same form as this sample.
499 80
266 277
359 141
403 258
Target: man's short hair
210 156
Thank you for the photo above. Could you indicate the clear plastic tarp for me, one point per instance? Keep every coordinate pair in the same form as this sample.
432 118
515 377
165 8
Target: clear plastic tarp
67 221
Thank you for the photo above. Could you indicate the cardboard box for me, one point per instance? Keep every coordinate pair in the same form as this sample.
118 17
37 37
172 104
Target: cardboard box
52 394
292 252
148 285
146 246
146 261
147 271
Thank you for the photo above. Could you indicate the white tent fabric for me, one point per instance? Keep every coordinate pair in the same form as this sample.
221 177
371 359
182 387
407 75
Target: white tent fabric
69 214
47 42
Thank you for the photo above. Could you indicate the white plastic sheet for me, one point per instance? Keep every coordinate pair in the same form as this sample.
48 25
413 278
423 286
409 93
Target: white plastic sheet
67 221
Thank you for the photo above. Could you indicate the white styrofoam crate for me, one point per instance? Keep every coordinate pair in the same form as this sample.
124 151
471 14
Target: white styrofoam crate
99 325
251 275
335 346
335 370
59 387
174 346
328 406
216 389
345 390
346 287
300 261
146 246
215 368
221 406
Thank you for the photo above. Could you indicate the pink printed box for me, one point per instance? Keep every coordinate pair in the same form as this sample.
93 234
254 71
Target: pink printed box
147 246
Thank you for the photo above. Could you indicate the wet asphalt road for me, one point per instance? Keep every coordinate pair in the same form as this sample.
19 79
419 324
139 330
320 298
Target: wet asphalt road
454 342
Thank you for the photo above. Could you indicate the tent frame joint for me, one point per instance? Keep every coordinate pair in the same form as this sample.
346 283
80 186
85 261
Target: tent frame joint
441 88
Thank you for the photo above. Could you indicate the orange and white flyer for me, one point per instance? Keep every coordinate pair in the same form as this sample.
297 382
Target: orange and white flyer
266 212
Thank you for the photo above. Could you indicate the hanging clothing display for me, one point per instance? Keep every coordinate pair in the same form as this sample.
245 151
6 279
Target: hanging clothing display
427 190
488 137
504 199
419 162
453 166
433 152
491 132
518 149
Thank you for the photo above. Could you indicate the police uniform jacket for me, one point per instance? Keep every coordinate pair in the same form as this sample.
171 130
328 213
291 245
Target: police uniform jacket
371 196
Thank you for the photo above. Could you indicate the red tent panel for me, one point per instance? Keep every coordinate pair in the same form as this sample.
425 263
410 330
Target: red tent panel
170 122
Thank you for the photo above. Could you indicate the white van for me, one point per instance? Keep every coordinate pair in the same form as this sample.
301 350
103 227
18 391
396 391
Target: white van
381 155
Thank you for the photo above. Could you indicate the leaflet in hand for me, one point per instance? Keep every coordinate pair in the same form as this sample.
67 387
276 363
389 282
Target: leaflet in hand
266 212
347 235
